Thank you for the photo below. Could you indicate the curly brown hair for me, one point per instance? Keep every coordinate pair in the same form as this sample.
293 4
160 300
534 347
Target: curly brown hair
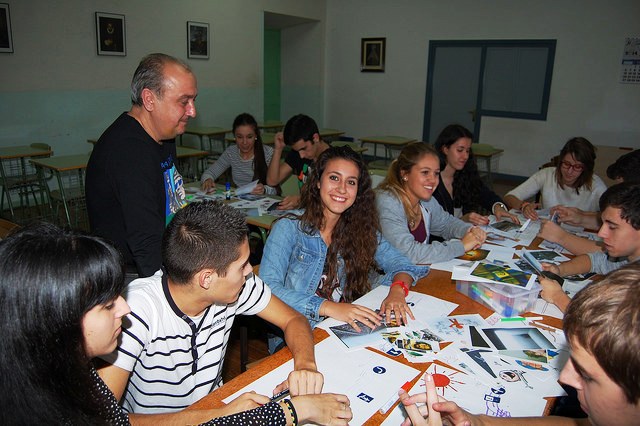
355 237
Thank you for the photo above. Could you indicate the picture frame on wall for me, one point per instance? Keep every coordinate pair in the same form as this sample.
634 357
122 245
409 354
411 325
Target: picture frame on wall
197 40
111 34
372 53
6 40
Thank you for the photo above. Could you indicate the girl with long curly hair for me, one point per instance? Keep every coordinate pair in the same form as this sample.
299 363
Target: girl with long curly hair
461 192
323 260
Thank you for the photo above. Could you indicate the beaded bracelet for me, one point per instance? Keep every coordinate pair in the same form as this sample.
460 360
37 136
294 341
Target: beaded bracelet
403 285
523 205
292 411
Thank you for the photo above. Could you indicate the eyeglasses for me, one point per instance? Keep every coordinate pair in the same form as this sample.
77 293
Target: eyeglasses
577 167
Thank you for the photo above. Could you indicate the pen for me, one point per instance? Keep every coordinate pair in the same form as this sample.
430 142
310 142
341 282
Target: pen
387 405
280 395
521 319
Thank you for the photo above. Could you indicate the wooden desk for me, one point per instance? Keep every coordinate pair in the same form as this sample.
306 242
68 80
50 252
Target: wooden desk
211 133
193 158
437 283
14 170
268 137
271 126
352 145
389 142
486 152
70 166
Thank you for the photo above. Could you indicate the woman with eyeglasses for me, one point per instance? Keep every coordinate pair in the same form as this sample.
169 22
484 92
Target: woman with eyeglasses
248 158
570 183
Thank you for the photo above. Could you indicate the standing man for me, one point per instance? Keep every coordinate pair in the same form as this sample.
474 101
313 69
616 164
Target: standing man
302 135
132 186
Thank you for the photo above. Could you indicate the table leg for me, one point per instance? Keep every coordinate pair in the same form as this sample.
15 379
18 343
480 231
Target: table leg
64 197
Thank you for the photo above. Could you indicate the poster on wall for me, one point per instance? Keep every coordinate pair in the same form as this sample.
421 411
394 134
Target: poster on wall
197 40
372 53
110 34
630 72
6 42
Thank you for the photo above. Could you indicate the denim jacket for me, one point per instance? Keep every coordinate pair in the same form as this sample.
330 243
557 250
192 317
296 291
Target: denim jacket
394 227
293 262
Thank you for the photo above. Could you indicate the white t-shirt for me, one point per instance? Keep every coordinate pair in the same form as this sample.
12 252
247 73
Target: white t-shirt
544 181
159 345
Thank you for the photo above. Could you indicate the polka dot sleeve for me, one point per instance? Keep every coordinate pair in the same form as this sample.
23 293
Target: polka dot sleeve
270 414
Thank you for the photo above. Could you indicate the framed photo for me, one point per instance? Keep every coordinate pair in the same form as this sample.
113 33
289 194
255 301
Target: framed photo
110 34
6 42
372 51
197 40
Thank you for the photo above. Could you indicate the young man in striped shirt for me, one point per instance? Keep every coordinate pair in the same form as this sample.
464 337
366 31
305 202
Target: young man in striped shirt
172 351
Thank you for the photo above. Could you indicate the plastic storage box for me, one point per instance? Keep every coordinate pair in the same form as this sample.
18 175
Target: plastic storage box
507 301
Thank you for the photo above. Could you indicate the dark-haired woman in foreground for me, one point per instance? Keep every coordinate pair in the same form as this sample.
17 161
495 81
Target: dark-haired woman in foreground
60 306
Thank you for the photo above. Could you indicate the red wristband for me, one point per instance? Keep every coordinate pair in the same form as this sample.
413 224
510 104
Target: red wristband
403 285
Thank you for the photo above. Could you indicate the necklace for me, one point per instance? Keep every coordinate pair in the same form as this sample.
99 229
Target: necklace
414 216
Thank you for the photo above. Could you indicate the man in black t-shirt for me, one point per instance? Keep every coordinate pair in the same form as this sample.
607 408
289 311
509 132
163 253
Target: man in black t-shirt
302 135
132 186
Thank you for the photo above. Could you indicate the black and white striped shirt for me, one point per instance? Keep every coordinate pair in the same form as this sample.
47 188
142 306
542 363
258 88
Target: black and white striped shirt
175 360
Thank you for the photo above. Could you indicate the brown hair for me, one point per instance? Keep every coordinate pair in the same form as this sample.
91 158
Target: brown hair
355 237
604 318
409 156
584 152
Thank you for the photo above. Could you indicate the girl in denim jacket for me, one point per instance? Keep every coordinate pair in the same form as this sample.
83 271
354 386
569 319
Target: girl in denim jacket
320 262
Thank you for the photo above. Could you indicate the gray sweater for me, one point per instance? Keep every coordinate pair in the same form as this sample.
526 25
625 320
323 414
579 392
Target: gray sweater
395 229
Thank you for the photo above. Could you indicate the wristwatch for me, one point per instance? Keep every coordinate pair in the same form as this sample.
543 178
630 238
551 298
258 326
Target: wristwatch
493 208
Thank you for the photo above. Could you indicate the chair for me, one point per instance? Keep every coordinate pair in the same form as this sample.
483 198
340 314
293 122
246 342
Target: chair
21 177
73 192
290 186
377 176
7 227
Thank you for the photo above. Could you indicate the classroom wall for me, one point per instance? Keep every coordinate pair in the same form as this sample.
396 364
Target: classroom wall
54 88
586 97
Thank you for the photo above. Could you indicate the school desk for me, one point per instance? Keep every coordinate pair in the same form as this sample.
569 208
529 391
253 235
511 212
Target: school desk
211 133
69 172
388 142
437 283
488 154
14 169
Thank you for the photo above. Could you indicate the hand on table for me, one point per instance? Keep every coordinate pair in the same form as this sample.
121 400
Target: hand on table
289 202
435 410
474 238
396 305
476 219
302 382
349 313
529 210
208 186
551 231
502 214
570 215
323 409
552 292
258 190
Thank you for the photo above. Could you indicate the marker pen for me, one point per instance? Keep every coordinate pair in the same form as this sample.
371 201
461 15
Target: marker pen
387 405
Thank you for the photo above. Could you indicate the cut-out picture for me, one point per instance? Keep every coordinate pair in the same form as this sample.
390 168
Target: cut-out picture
505 226
501 274
477 254
517 338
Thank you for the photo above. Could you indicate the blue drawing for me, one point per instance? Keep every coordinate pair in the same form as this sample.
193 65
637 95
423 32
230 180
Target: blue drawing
378 369
366 398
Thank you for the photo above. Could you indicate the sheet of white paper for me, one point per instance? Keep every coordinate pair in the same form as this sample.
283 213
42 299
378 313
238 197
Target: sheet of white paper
422 305
246 189
366 377
545 308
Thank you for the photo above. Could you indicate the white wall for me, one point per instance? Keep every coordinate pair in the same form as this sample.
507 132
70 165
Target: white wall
54 88
586 97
